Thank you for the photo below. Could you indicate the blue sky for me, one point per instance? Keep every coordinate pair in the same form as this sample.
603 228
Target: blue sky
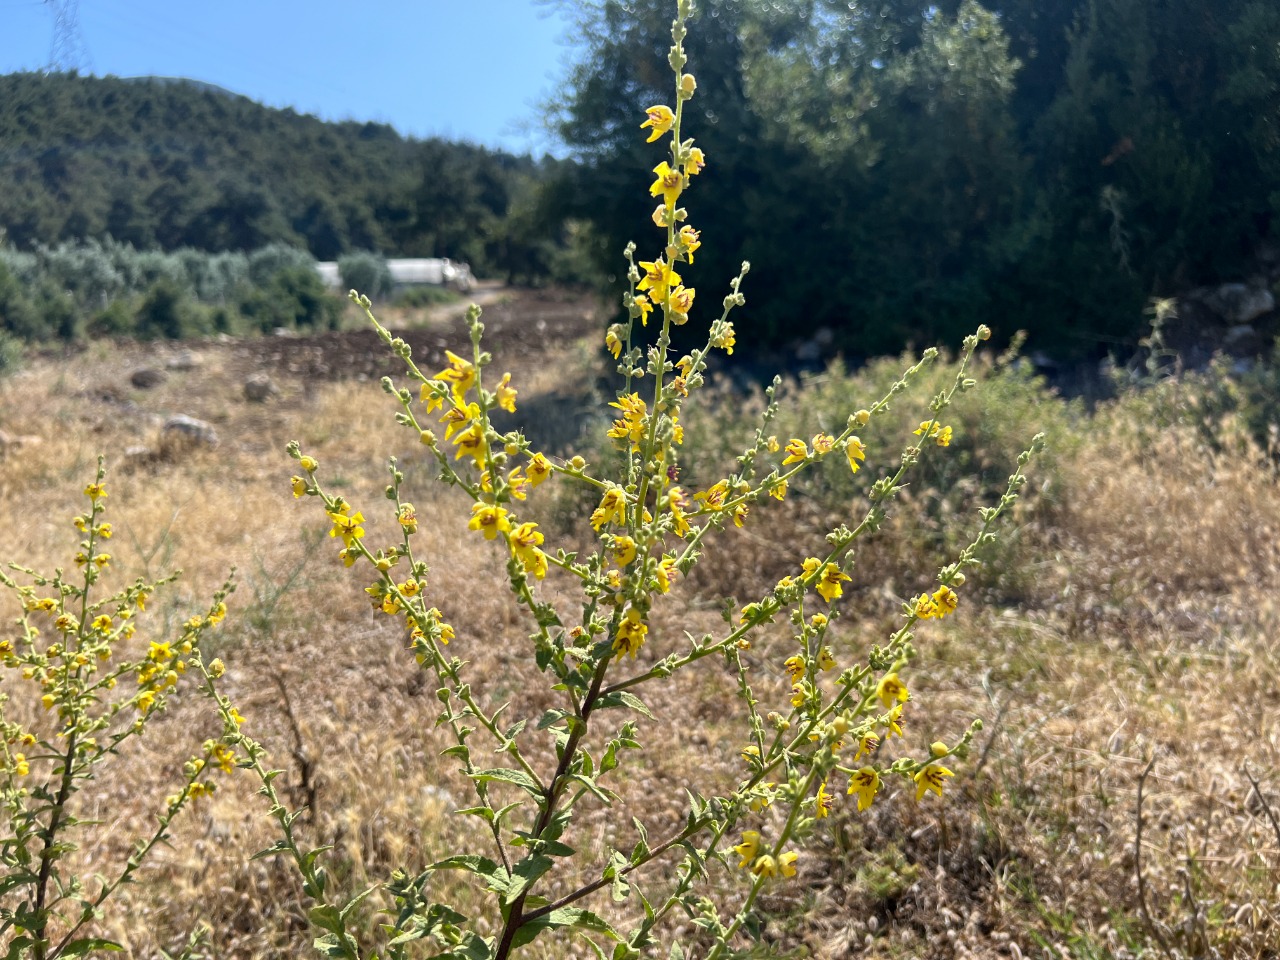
462 69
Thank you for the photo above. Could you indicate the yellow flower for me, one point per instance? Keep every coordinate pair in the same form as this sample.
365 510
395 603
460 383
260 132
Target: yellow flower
456 418
676 502
624 551
489 519
234 714
48 700
539 469
799 694
823 802
146 700
645 306
796 450
96 491
795 668
613 506
224 757
725 337
894 721
668 185
765 866
104 531
525 541
751 753
778 490
891 689
101 560
856 451
471 444
823 444
945 599
931 777
160 652
714 497
408 518
682 303
299 485
828 585
20 765
658 276
411 587
866 747
787 863
739 514
825 660
613 343
694 162
748 848
866 784
631 634
309 464
689 241
926 607
660 120
460 375
102 623
665 572
347 527
943 437
506 394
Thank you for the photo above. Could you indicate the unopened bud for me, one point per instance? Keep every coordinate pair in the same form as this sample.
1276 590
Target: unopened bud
938 748
862 417
687 86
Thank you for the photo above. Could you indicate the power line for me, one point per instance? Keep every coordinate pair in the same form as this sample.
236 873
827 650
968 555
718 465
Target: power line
68 50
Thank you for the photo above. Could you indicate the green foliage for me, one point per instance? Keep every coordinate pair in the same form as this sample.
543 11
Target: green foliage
931 166
106 288
366 272
173 164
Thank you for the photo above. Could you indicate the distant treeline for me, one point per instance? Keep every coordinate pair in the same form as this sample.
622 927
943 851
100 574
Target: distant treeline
902 170
96 288
168 165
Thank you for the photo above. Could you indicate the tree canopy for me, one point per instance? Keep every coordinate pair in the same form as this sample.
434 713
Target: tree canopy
173 164
902 170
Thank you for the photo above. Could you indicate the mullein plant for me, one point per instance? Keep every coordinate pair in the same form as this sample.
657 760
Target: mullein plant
822 742
93 681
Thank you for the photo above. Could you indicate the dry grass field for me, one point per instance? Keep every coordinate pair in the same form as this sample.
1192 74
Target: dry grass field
1121 640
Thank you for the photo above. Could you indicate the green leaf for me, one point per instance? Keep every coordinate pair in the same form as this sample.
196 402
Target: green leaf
460 750
326 917
78 948
636 704
278 847
524 873
550 717
582 920
495 876
484 813
504 775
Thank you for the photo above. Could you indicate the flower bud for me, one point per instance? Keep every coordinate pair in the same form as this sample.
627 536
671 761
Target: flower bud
217 668
984 332
938 748
687 86
862 417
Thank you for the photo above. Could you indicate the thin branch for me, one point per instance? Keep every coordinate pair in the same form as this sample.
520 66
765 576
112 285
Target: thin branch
1271 814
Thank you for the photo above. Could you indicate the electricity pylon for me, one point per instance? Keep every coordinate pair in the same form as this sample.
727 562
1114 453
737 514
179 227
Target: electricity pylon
68 50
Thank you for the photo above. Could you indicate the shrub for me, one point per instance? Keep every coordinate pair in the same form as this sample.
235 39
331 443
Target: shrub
366 272
82 689
605 607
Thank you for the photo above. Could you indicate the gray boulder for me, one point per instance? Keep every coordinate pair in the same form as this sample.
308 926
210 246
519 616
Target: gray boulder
183 430
145 378
259 388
